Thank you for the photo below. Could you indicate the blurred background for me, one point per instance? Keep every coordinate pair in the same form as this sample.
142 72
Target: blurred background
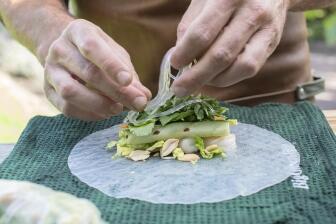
21 75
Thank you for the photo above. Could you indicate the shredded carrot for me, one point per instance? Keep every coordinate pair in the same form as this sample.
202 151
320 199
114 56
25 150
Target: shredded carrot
124 126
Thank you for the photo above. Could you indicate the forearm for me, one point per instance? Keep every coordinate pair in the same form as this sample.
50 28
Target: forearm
35 23
302 5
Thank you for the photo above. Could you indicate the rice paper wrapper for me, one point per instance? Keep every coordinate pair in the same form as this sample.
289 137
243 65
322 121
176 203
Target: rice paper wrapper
262 159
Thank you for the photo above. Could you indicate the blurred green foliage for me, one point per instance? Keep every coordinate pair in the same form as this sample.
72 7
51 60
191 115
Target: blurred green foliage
322 25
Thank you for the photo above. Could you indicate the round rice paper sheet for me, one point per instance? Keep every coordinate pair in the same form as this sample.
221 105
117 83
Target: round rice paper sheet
262 159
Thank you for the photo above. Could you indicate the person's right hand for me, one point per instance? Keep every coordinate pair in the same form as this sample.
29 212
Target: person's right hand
89 76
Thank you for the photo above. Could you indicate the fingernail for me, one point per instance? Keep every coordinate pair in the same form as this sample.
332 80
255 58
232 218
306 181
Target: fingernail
180 91
139 103
124 78
174 63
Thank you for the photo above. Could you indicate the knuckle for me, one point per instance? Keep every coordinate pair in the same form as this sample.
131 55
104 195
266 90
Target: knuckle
251 67
192 82
222 56
58 50
252 22
181 29
219 81
88 46
77 23
91 73
121 94
260 13
201 37
109 66
67 91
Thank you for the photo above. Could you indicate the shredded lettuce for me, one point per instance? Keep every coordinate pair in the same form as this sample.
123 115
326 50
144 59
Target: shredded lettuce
233 121
199 143
156 145
178 153
142 130
111 144
124 150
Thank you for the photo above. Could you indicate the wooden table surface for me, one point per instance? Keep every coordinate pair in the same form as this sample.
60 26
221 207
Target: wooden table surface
331 117
5 149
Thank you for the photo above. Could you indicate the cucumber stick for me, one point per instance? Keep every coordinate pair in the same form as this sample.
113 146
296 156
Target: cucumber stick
182 130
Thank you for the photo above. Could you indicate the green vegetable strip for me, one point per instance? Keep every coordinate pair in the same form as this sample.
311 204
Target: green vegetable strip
182 130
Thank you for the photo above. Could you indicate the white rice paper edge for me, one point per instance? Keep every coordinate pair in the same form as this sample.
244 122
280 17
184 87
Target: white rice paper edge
262 159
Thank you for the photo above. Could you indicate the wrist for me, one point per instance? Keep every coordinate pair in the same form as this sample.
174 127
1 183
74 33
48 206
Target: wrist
50 36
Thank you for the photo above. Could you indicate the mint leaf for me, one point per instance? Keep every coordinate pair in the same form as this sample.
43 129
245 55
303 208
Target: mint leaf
206 109
178 116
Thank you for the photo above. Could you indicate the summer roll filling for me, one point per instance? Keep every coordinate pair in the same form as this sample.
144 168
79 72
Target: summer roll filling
182 128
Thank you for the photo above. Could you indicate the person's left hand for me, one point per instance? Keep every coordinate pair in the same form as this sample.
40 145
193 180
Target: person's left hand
231 38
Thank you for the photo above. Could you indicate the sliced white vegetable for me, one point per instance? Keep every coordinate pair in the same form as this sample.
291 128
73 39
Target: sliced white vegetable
188 145
228 143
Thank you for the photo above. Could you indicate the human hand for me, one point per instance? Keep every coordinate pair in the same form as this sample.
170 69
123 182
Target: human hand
231 38
89 76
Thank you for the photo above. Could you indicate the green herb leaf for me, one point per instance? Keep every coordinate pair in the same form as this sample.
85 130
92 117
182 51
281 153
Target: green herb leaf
178 153
205 108
143 130
178 116
199 143
111 144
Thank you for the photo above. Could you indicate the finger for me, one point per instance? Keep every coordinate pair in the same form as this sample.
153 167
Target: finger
95 49
221 54
192 12
202 32
124 56
144 89
249 63
70 110
78 95
131 96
